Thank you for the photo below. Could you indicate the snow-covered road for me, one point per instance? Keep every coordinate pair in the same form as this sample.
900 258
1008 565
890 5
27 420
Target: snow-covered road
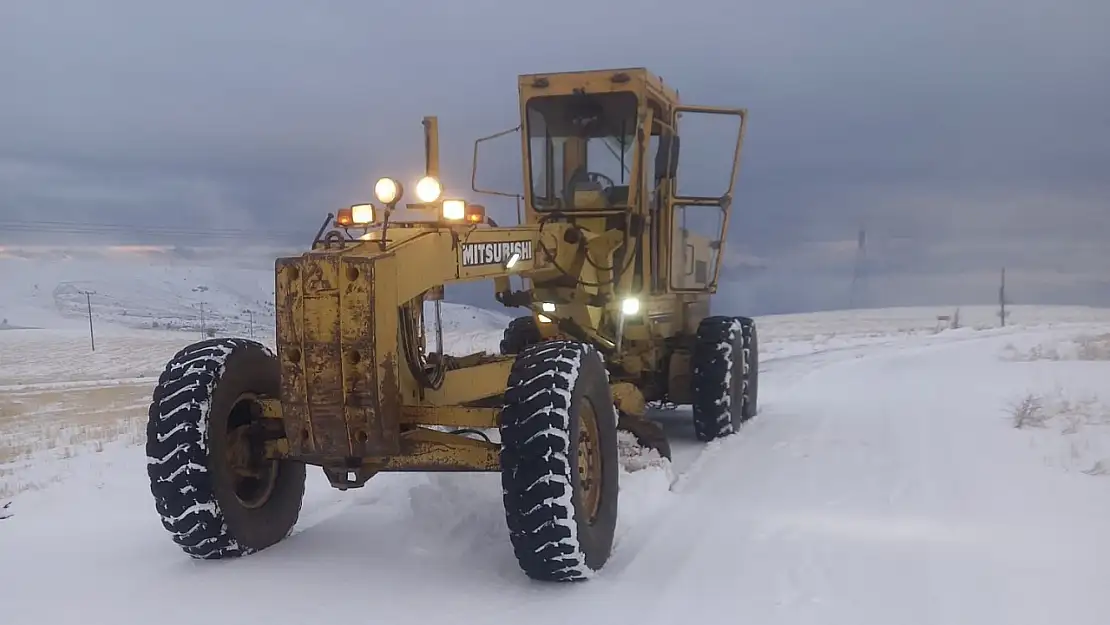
880 484
879 488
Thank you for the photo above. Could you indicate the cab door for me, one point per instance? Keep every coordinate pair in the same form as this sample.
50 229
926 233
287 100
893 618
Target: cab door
708 159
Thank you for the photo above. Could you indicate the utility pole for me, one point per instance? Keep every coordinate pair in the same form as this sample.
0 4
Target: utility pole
1002 298
859 272
88 304
201 289
250 314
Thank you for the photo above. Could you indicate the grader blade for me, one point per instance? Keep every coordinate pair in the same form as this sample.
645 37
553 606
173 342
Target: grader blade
648 433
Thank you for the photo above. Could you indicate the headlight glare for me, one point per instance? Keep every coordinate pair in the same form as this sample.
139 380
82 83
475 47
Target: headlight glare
630 306
362 214
428 190
454 210
387 190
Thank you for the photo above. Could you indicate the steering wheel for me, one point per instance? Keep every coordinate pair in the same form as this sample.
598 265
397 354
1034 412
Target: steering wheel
579 176
601 178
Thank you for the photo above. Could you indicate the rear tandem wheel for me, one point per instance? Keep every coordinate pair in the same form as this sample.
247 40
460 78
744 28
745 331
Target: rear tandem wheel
725 375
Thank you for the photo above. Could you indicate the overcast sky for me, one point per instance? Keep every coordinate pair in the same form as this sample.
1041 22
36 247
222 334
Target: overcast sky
964 135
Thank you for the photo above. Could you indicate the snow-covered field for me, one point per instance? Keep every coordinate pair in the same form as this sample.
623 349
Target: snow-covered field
898 472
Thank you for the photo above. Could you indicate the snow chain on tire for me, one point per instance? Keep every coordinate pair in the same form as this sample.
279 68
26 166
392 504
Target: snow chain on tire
186 452
550 386
724 348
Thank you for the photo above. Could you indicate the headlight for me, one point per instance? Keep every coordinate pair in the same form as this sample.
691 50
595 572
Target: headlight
428 190
387 190
362 214
630 306
454 210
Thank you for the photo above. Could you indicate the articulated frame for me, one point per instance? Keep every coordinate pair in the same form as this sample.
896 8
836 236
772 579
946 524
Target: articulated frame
358 394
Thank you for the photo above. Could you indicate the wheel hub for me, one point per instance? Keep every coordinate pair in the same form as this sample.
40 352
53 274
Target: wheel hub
253 475
589 462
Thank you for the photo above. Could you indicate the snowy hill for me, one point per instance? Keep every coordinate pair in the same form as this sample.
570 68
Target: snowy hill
148 287
899 471
136 287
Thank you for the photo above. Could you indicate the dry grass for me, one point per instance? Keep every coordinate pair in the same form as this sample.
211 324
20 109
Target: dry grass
1028 412
1057 408
51 357
1077 429
39 425
1090 347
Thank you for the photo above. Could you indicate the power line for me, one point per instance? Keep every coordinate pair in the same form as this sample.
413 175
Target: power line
56 227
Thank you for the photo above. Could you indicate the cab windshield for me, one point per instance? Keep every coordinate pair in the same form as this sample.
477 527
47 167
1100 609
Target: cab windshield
580 148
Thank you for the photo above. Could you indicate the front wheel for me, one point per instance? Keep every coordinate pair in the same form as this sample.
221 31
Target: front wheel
216 492
559 468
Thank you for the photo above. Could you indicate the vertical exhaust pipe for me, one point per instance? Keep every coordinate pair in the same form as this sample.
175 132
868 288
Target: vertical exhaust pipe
431 146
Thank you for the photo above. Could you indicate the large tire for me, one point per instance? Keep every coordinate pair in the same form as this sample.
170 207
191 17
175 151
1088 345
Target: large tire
751 368
194 486
561 526
718 377
520 333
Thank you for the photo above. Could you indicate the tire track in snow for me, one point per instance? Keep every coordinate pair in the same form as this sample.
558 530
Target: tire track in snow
665 543
787 371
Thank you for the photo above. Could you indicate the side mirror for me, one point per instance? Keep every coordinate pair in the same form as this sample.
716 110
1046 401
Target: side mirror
666 159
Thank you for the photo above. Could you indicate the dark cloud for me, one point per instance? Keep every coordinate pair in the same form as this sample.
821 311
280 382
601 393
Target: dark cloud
962 135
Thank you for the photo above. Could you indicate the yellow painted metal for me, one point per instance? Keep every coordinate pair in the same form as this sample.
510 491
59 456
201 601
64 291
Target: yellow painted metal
467 385
588 449
431 146
628 399
419 440
453 416
356 381
431 450
681 282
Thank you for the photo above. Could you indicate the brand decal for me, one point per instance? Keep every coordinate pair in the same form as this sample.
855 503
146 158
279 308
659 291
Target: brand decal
476 254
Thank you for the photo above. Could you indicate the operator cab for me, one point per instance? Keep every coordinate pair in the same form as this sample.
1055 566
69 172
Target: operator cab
581 148
601 149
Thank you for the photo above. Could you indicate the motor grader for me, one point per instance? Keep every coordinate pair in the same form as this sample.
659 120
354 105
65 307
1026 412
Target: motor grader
617 289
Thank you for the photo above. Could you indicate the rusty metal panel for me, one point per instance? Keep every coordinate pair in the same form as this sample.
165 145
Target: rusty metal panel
429 450
375 432
290 308
331 376
392 379
454 416
322 358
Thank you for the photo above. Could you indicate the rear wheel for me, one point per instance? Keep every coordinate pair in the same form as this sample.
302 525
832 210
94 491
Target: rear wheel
216 492
722 366
751 368
559 468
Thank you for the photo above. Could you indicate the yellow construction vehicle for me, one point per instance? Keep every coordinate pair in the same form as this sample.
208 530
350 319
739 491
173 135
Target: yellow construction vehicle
617 283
